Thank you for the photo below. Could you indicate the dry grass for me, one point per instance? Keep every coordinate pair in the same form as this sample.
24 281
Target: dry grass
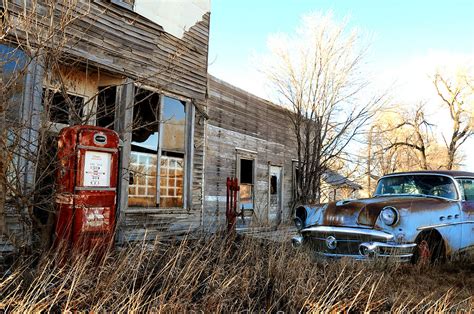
217 275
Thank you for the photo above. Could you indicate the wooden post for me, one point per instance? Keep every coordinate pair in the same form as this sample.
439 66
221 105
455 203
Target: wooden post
123 126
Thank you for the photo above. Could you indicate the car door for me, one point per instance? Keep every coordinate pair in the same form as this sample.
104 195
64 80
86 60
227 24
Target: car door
466 186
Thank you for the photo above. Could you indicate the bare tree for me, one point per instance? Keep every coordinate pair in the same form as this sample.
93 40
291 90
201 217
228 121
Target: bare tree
40 33
456 95
317 76
380 154
417 134
401 139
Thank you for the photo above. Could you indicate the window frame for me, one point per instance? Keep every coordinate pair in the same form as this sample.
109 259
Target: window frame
245 154
188 152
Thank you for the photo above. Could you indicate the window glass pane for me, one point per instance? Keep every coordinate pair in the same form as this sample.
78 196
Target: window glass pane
171 182
13 64
246 196
417 185
142 187
467 189
174 118
146 121
143 161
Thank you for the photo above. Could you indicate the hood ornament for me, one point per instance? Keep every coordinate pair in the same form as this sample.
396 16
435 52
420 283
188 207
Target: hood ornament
344 202
331 242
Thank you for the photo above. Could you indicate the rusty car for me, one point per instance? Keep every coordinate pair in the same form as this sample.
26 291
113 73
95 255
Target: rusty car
423 216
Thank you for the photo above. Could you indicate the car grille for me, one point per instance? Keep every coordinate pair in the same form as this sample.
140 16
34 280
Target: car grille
346 244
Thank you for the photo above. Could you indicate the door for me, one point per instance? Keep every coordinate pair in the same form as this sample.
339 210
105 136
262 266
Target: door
275 194
466 186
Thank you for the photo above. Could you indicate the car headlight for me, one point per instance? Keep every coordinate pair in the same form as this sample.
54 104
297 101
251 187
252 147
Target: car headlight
300 217
389 215
298 223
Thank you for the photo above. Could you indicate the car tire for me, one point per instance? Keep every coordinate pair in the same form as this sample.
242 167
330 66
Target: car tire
429 249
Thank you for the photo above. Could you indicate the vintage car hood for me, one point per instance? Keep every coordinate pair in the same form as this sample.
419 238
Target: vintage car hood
364 212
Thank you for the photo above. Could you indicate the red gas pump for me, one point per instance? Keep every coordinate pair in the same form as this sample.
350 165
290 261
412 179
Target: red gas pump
231 205
86 187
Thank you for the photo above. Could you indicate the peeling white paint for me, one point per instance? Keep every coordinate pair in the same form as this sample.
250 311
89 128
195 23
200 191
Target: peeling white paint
175 16
215 198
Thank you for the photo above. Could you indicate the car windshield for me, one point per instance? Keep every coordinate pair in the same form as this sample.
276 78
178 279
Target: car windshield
424 185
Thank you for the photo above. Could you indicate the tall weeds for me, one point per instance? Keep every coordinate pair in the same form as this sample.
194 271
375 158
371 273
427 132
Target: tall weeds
215 274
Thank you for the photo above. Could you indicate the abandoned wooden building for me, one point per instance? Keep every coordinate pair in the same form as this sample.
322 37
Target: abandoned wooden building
140 70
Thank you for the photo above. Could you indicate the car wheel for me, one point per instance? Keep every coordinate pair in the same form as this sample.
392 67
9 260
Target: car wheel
429 249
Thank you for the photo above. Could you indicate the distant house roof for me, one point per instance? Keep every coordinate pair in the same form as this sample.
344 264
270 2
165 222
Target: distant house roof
335 179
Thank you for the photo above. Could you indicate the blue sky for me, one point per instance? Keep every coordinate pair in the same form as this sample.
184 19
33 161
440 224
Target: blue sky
401 28
409 39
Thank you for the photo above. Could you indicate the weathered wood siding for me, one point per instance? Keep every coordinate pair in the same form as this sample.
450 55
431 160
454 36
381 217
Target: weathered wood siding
124 42
118 41
239 119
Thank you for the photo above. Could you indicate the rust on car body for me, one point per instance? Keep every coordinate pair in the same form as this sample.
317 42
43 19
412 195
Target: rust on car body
406 207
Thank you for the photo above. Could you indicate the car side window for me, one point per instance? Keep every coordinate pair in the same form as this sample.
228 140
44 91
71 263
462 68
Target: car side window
467 189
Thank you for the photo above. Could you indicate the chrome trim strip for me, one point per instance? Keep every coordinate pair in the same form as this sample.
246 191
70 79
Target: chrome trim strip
362 257
338 240
399 250
446 225
358 256
96 148
395 256
393 245
348 230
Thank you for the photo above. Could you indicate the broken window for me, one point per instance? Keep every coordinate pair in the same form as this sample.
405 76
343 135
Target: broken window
143 161
158 151
273 184
106 107
63 108
246 183
246 171
172 159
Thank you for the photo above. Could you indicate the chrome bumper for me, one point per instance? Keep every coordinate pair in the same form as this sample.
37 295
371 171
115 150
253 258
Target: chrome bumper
364 244
392 250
